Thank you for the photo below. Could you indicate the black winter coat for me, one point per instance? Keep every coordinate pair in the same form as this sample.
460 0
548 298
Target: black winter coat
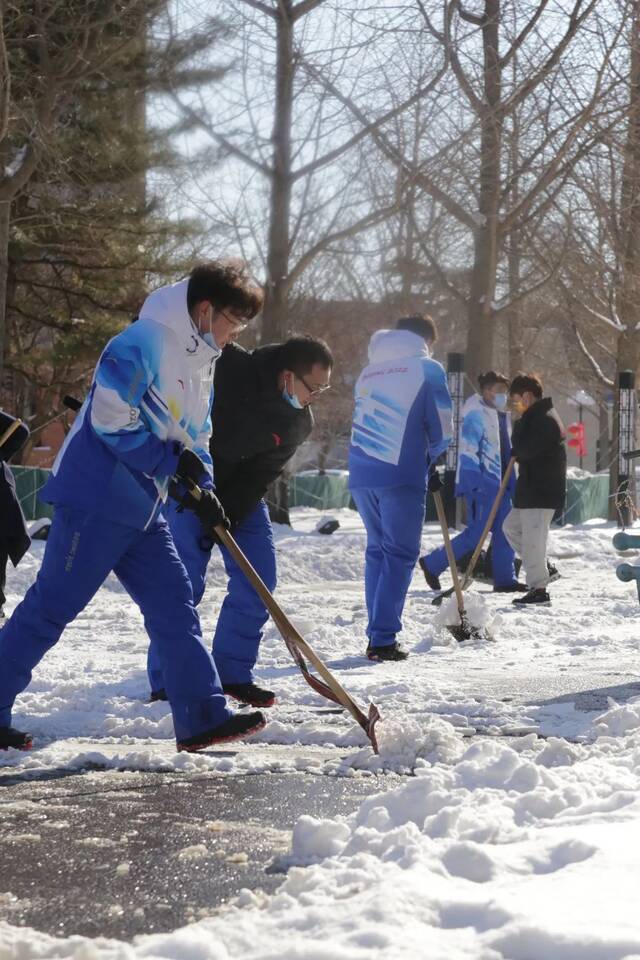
537 443
255 431
14 539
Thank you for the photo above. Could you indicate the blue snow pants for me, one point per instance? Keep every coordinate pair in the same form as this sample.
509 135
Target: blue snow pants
393 518
502 555
243 615
82 549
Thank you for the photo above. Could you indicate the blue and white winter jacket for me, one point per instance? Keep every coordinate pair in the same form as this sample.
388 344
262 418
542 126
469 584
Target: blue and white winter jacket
151 396
484 449
402 418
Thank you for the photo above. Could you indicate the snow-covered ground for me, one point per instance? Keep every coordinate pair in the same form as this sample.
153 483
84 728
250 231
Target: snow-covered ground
515 847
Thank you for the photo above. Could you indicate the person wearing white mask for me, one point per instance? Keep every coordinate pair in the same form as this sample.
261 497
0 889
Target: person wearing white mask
145 421
485 451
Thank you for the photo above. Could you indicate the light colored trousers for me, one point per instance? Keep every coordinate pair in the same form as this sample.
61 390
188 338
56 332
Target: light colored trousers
527 532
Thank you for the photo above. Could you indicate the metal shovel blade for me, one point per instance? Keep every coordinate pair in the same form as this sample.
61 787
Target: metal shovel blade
437 600
369 726
468 631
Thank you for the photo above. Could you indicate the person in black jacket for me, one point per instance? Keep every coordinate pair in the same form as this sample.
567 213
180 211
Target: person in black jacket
538 445
14 539
261 414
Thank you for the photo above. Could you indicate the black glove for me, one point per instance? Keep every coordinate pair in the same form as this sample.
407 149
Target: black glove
434 484
210 511
190 466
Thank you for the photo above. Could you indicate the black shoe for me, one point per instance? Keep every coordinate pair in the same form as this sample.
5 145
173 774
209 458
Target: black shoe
537 595
235 728
3 615
432 581
515 587
10 737
250 693
158 695
554 573
391 651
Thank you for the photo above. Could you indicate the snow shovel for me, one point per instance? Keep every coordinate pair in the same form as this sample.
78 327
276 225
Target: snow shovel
464 630
9 432
468 576
300 650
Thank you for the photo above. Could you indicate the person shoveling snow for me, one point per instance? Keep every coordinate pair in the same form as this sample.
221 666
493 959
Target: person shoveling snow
476 622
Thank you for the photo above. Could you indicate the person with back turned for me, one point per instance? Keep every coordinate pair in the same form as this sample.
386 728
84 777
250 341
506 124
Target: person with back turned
401 426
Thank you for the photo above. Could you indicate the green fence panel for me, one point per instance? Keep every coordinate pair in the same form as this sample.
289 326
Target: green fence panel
29 482
330 491
587 498
323 491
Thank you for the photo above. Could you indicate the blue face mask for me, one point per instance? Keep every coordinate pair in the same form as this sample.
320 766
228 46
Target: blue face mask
210 339
291 399
500 401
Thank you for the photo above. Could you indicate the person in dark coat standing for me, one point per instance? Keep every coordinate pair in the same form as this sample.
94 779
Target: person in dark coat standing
261 414
14 539
538 444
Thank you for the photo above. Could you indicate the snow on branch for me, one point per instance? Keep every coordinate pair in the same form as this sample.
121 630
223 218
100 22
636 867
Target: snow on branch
14 165
595 366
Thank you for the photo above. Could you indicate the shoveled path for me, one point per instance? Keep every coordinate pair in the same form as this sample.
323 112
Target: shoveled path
111 853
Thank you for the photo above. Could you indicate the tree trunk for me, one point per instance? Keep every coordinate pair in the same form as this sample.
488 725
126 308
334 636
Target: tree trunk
480 335
628 291
5 221
603 444
275 314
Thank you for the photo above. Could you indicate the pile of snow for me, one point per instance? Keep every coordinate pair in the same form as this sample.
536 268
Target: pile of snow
493 857
485 849
477 612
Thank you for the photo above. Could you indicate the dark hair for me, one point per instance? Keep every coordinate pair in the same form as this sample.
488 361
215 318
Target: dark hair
489 378
526 383
420 323
225 284
300 352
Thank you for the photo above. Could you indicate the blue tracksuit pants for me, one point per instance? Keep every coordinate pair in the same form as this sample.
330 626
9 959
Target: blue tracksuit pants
502 555
82 549
393 518
243 615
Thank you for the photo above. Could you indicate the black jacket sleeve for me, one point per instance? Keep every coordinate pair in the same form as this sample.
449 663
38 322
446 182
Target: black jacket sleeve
254 431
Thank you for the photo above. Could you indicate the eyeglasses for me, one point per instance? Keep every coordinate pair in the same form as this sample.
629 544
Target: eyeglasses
313 391
237 323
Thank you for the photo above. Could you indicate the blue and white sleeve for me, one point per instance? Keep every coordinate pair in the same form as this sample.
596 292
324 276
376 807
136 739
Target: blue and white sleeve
470 475
124 375
438 412
201 447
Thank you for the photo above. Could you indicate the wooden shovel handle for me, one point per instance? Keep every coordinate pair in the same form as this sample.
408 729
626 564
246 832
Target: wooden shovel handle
453 566
9 432
284 625
487 527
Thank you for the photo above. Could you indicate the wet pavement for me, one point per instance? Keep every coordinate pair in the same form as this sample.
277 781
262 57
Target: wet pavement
117 854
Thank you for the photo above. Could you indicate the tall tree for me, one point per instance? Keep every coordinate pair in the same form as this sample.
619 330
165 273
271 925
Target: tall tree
85 236
310 164
561 88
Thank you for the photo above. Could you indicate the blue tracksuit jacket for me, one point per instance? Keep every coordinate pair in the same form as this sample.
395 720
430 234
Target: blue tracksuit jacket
402 422
151 395
402 418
